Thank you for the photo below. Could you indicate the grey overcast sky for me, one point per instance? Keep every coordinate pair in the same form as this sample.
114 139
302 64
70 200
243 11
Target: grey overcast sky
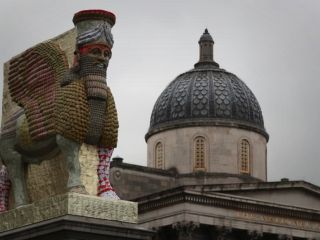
273 45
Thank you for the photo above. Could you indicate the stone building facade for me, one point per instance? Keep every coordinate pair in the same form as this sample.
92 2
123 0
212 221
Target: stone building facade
206 174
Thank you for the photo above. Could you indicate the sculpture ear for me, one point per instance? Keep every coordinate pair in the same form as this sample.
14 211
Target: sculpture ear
76 58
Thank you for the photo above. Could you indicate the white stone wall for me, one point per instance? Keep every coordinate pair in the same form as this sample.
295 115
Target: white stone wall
222 151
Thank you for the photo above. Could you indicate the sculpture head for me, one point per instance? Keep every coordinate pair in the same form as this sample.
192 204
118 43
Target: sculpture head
94 41
93 50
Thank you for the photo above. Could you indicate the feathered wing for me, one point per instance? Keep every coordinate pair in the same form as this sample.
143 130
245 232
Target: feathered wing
33 79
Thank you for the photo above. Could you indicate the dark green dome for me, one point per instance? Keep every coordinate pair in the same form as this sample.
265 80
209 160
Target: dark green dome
206 96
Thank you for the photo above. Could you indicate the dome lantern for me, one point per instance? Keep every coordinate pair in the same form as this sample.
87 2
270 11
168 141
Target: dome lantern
206 51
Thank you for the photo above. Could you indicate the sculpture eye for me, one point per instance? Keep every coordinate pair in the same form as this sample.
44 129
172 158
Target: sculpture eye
95 51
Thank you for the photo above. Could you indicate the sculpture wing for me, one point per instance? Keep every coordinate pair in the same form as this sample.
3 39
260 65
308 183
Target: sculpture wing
32 79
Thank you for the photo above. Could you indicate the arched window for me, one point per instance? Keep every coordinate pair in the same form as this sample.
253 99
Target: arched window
159 156
244 156
199 146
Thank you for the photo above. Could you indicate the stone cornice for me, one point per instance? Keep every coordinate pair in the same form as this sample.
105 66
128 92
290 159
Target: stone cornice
235 187
75 226
208 122
118 163
180 195
249 182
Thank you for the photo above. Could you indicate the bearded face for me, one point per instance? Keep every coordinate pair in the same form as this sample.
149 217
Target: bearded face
94 60
93 63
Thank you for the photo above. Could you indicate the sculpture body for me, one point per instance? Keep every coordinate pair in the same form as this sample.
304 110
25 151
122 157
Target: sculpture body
62 108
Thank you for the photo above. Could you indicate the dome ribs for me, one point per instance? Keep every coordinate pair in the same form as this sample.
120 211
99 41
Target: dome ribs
212 110
234 114
199 99
241 102
179 99
222 97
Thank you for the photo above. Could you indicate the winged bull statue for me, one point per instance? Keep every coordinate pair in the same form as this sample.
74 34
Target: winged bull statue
62 108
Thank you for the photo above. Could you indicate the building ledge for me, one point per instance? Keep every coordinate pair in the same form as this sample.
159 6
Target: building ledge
183 195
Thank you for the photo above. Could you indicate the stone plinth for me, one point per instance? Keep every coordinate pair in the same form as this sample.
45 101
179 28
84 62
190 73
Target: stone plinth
67 204
73 216
70 227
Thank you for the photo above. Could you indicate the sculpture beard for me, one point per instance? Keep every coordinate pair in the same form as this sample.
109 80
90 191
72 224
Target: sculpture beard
93 71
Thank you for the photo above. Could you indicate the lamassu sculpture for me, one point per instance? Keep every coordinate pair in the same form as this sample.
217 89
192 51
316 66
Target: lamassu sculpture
62 108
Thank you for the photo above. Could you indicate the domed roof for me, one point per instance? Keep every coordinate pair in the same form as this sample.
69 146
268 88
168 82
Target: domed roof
206 96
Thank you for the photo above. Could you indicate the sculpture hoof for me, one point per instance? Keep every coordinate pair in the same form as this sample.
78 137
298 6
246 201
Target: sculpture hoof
110 195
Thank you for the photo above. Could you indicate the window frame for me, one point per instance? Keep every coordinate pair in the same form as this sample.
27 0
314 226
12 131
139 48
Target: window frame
156 165
204 150
247 151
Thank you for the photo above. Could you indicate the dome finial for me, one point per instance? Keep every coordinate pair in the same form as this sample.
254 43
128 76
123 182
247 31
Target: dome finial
206 50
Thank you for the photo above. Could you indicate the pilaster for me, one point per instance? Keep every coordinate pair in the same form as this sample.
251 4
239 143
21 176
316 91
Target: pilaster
224 233
185 229
284 237
255 235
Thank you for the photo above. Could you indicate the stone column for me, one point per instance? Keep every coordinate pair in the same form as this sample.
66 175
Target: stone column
255 235
284 237
224 233
185 229
159 234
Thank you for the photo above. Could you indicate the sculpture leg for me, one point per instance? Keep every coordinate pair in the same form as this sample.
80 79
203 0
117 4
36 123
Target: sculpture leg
4 189
104 189
70 150
13 160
